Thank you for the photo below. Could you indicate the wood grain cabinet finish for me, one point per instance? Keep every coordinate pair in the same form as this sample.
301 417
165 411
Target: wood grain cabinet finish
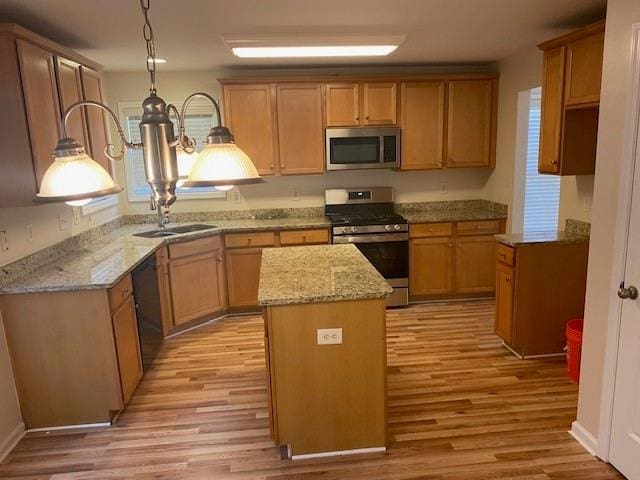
431 266
379 103
571 81
304 237
125 332
422 120
539 288
70 92
343 104
249 115
475 264
243 277
469 123
96 119
300 139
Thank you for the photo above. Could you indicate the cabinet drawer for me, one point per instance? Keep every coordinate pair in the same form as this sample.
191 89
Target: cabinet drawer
431 230
120 292
202 245
506 254
304 237
479 228
255 239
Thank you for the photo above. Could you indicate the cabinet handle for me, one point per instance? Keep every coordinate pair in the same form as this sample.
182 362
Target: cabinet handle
273 167
459 245
508 279
358 117
219 259
304 238
554 162
367 117
249 240
283 167
450 245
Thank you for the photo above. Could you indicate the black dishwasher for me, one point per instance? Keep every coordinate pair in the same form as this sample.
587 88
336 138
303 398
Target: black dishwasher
146 293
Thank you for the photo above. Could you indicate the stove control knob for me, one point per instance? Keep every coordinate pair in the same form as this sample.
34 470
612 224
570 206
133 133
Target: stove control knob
396 227
387 228
354 229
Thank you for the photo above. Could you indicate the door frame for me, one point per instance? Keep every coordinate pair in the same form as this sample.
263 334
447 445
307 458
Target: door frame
631 152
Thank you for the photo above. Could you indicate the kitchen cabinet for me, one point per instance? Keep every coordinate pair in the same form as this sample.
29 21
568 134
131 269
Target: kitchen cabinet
164 290
304 237
539 288
422 121
379 103
197 279
125 331
300 139
452 259
243 277
39 78
470 123
96 120
249 114
571 80
343 104
355 104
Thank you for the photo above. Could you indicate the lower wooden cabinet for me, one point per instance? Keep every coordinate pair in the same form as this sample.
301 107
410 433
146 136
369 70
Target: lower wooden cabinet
125 333
452 258
243 276
539 288
197 279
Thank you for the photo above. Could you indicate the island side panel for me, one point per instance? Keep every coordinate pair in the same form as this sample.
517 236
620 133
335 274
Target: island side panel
328 398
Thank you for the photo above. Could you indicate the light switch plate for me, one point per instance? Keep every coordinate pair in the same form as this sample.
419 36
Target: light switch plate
329 336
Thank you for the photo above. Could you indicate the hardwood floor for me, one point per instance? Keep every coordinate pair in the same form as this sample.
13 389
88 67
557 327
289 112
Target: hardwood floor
460 407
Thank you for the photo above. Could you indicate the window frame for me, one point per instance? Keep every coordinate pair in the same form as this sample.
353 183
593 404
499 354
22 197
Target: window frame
128 109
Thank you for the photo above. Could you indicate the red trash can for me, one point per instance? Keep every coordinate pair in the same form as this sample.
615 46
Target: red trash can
574 348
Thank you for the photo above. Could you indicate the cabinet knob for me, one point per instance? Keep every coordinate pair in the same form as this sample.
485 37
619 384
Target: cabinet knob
450 245
219 259
283 167
459 245
367 117
358 117
554 162
249 240
273 167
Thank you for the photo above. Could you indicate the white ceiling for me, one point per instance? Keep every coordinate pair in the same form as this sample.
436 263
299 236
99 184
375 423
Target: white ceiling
188 32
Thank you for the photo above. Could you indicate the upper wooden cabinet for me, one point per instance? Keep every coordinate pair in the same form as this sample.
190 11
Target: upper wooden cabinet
368 103
39 79
96 119
250 117
470 130
422 122
300 138
572 72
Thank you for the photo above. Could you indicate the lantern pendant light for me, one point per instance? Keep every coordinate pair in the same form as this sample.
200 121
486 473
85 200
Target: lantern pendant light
76 178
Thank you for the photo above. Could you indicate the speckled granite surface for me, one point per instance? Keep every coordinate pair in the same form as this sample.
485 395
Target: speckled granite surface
577 226
314 274
519 239
452 211
102 263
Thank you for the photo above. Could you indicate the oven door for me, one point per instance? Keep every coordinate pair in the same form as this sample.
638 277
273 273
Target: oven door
388 252
359 148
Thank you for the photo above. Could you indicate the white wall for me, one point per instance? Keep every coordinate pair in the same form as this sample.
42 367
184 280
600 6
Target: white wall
621 15
11 426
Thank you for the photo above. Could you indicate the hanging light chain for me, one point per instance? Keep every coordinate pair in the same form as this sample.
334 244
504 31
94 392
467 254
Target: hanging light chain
147 33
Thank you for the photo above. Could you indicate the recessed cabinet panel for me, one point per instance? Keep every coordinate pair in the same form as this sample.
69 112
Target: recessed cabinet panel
70 90
125 330
504 302
422 118
343 104
243 277
380 103
249 116
96 119
551 110
584 70
475 264
431 266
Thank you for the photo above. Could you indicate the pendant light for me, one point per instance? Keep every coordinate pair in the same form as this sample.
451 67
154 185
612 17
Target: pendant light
76 178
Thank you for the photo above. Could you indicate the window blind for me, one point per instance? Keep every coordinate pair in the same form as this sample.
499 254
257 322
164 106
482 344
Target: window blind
542 192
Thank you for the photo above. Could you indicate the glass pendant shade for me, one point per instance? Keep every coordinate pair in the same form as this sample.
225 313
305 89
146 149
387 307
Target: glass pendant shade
75 178
222 165
185 164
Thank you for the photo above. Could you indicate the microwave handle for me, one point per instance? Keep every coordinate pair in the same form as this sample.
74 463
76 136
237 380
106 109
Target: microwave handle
381 147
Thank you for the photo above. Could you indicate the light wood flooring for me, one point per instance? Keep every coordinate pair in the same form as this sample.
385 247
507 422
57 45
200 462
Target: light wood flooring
460 407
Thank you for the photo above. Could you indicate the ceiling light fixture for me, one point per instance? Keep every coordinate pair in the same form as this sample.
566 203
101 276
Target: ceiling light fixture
318 51
76 178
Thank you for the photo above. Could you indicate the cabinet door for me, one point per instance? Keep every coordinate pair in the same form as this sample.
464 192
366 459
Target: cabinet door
430 266
164 289
37 71
194 286
551 110
422 124
380 103
300 138
475 264
125 331
584 70
504 303
243 276
469 125
96 120
343 104
249 115
70 91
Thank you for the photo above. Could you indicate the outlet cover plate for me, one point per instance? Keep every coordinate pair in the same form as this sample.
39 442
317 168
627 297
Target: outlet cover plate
329 336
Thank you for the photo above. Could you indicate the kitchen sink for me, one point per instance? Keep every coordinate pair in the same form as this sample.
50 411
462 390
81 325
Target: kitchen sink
169 232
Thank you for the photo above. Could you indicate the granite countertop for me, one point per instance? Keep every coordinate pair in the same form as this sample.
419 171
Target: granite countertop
104 262
458 215
314 274
519 239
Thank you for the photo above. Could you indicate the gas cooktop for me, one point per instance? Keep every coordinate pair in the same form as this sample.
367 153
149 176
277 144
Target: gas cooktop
343 218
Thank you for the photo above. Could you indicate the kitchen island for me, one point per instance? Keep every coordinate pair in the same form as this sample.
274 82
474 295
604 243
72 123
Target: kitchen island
325 349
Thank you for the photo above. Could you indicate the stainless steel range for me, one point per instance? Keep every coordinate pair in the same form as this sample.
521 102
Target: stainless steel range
365 217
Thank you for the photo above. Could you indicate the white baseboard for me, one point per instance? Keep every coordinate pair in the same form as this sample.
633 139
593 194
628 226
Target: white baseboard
356 451
584 438
11 441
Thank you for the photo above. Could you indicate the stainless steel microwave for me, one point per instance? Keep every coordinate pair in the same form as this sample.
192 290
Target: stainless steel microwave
355 148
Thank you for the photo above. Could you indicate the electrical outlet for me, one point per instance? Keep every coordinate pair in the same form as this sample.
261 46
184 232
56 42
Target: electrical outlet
444 188
329 336
4 243
63 223
296 194
235 196
77 215
28 231
586 204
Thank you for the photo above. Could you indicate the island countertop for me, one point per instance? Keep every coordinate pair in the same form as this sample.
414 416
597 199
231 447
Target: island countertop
316 274
533 238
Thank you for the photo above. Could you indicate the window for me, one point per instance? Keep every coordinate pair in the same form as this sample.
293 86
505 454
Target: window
541 192
198 122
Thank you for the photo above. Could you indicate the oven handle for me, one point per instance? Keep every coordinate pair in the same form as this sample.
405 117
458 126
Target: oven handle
383 237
